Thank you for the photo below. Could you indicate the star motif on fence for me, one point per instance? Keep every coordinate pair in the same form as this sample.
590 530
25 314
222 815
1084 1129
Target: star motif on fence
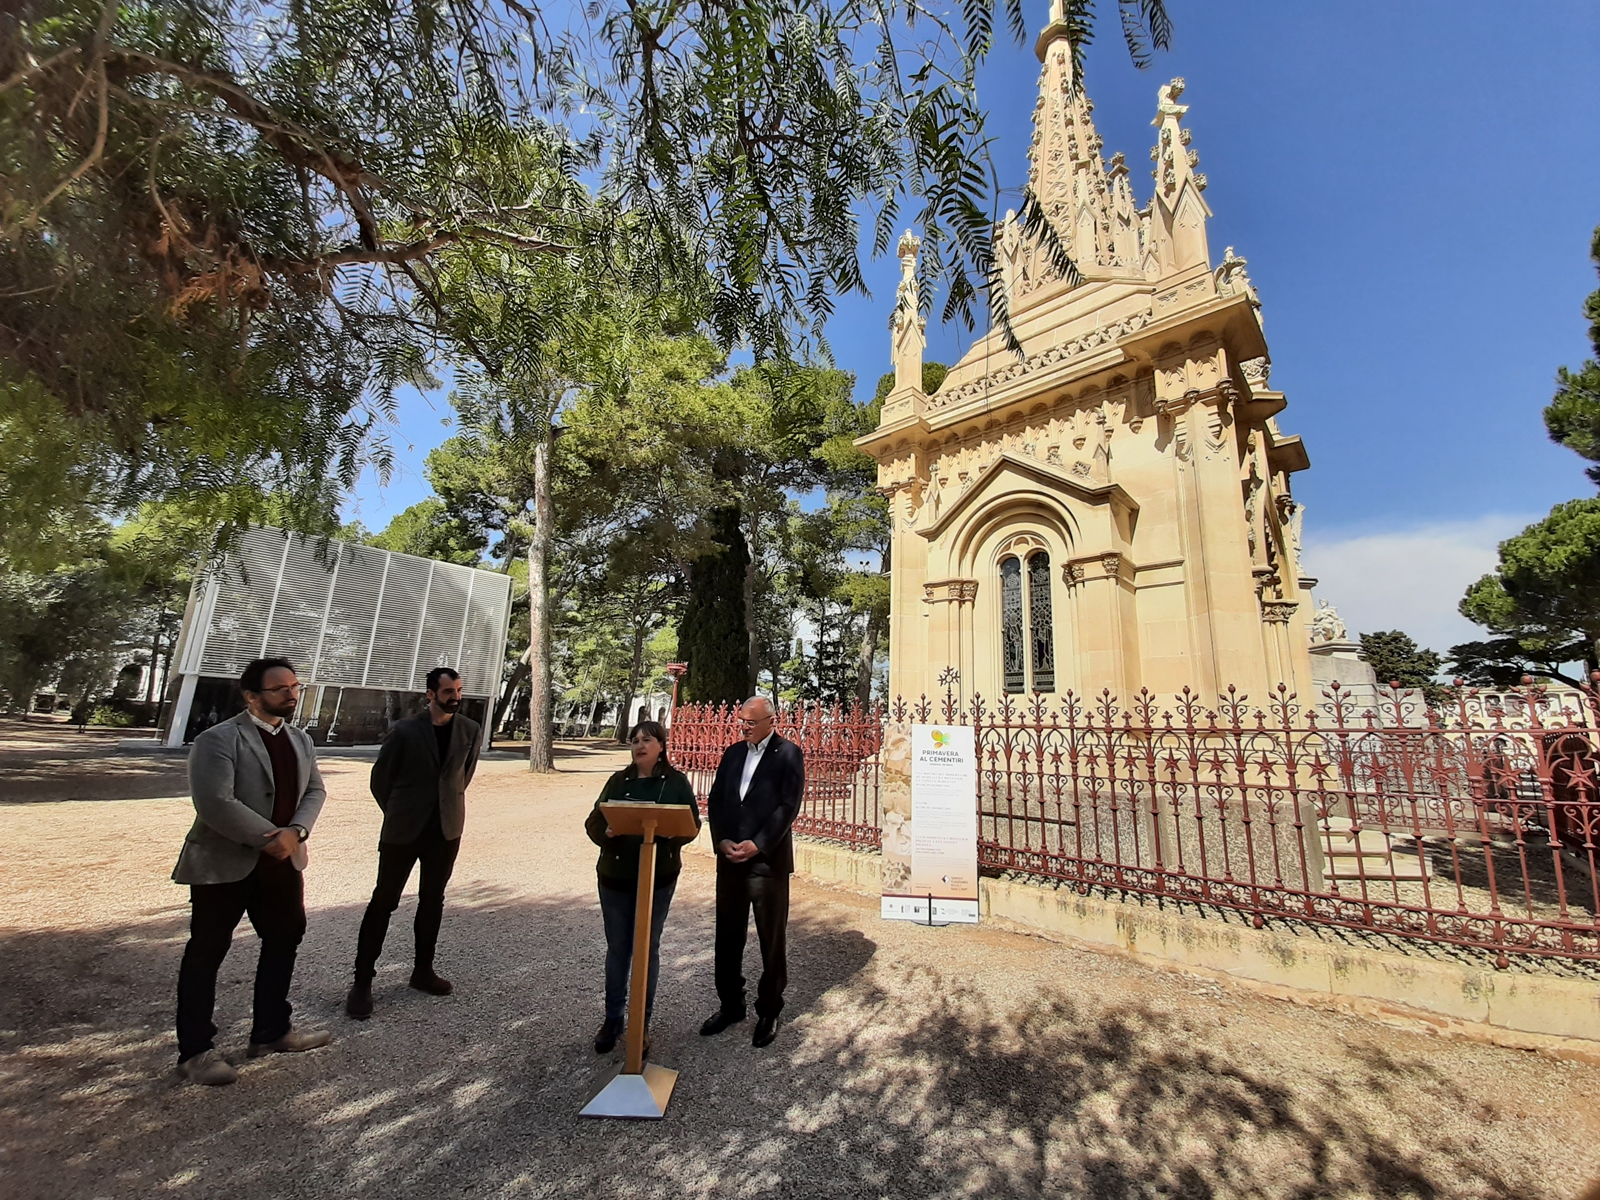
1579 776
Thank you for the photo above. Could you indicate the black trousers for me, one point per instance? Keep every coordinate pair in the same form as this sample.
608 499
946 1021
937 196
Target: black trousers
395 860
767 896
274 895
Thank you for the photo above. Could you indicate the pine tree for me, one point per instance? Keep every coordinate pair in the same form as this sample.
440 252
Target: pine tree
712 636
1396 658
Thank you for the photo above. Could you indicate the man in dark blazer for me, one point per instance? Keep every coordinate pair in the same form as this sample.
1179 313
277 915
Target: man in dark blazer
420 782
753 803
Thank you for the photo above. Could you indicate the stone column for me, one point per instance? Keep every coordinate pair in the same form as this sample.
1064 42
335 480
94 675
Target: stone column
1195 390
950 635
908 614
1275 617
1107 624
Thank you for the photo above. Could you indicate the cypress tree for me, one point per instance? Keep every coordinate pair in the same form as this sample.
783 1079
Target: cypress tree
711 636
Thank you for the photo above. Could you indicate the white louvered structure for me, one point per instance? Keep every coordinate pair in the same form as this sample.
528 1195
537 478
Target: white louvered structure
347 615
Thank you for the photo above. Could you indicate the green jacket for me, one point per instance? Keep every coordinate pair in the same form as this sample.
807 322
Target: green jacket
618 867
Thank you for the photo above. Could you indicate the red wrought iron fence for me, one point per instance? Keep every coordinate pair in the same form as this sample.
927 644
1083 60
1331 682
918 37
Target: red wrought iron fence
1474 825
842 769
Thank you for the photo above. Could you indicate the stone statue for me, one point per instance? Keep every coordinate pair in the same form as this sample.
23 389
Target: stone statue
1326 625
1233 279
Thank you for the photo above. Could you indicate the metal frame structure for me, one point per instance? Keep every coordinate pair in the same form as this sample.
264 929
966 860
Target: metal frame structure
348 615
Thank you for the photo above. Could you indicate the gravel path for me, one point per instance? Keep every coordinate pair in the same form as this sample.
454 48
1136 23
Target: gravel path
913 1062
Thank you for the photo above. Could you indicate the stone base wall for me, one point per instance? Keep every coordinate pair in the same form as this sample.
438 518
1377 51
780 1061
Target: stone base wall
1527 1011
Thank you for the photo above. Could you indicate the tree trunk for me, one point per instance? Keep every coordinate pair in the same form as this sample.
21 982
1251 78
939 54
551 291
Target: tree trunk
864 661
155 660
750 609
822 644
166 675
502 710
540 752
637 669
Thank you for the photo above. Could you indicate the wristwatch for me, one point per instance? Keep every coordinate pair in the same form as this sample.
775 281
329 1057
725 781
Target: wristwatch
302 831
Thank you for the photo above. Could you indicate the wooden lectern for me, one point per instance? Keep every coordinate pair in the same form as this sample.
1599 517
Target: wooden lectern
640 1090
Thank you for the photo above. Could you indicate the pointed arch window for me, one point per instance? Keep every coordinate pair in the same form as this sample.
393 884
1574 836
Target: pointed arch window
1013 677
1042 647
1027 628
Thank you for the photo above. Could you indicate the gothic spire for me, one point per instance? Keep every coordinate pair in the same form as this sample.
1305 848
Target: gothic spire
1066 172
1178 213
906 325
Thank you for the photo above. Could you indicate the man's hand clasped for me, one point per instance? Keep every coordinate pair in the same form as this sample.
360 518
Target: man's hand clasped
283 843
738 852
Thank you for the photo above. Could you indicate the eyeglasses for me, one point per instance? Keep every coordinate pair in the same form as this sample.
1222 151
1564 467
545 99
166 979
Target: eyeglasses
754 720
285 687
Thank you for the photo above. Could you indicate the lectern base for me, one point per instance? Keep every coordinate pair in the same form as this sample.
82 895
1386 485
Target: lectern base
634 1097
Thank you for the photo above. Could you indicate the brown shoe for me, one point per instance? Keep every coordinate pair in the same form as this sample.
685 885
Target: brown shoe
292 1042
209 1069
427 981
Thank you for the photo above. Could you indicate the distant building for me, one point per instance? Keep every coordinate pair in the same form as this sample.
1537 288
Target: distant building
362 626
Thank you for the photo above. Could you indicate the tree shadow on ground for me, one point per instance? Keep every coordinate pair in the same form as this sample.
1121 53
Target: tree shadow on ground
47 774
886 1081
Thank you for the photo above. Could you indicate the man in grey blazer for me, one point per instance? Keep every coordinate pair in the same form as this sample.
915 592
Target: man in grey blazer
257 793
420 782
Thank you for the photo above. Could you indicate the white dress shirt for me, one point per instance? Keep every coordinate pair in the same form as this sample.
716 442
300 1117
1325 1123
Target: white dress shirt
265 728
752 760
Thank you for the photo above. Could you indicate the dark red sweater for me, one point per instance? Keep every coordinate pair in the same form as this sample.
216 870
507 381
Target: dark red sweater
285 774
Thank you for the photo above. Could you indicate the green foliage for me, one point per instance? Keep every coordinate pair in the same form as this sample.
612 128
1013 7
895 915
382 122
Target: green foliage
933 374
1397 659
216 227
110 592
428 530
712 635
228 231
1543 600
765 131
68 619
114 718
1572 418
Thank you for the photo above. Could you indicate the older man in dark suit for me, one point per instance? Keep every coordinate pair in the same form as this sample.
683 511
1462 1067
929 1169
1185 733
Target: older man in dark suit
257 793
420 781
754 800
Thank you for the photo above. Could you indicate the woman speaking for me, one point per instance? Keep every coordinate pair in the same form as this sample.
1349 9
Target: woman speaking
650 778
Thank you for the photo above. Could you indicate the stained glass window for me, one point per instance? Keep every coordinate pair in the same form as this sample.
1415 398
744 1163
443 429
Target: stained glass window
1042 638
1011 645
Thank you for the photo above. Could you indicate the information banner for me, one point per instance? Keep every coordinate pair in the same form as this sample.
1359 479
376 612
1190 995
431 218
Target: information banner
941 884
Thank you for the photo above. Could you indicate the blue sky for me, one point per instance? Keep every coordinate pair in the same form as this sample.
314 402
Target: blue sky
1414 186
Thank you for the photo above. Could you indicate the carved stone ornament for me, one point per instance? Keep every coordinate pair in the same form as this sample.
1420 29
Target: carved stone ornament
960 591
1013 369
1111 564
1278 612
1072 574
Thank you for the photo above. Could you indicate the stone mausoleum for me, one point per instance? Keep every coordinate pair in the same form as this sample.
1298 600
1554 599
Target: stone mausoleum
1110 508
